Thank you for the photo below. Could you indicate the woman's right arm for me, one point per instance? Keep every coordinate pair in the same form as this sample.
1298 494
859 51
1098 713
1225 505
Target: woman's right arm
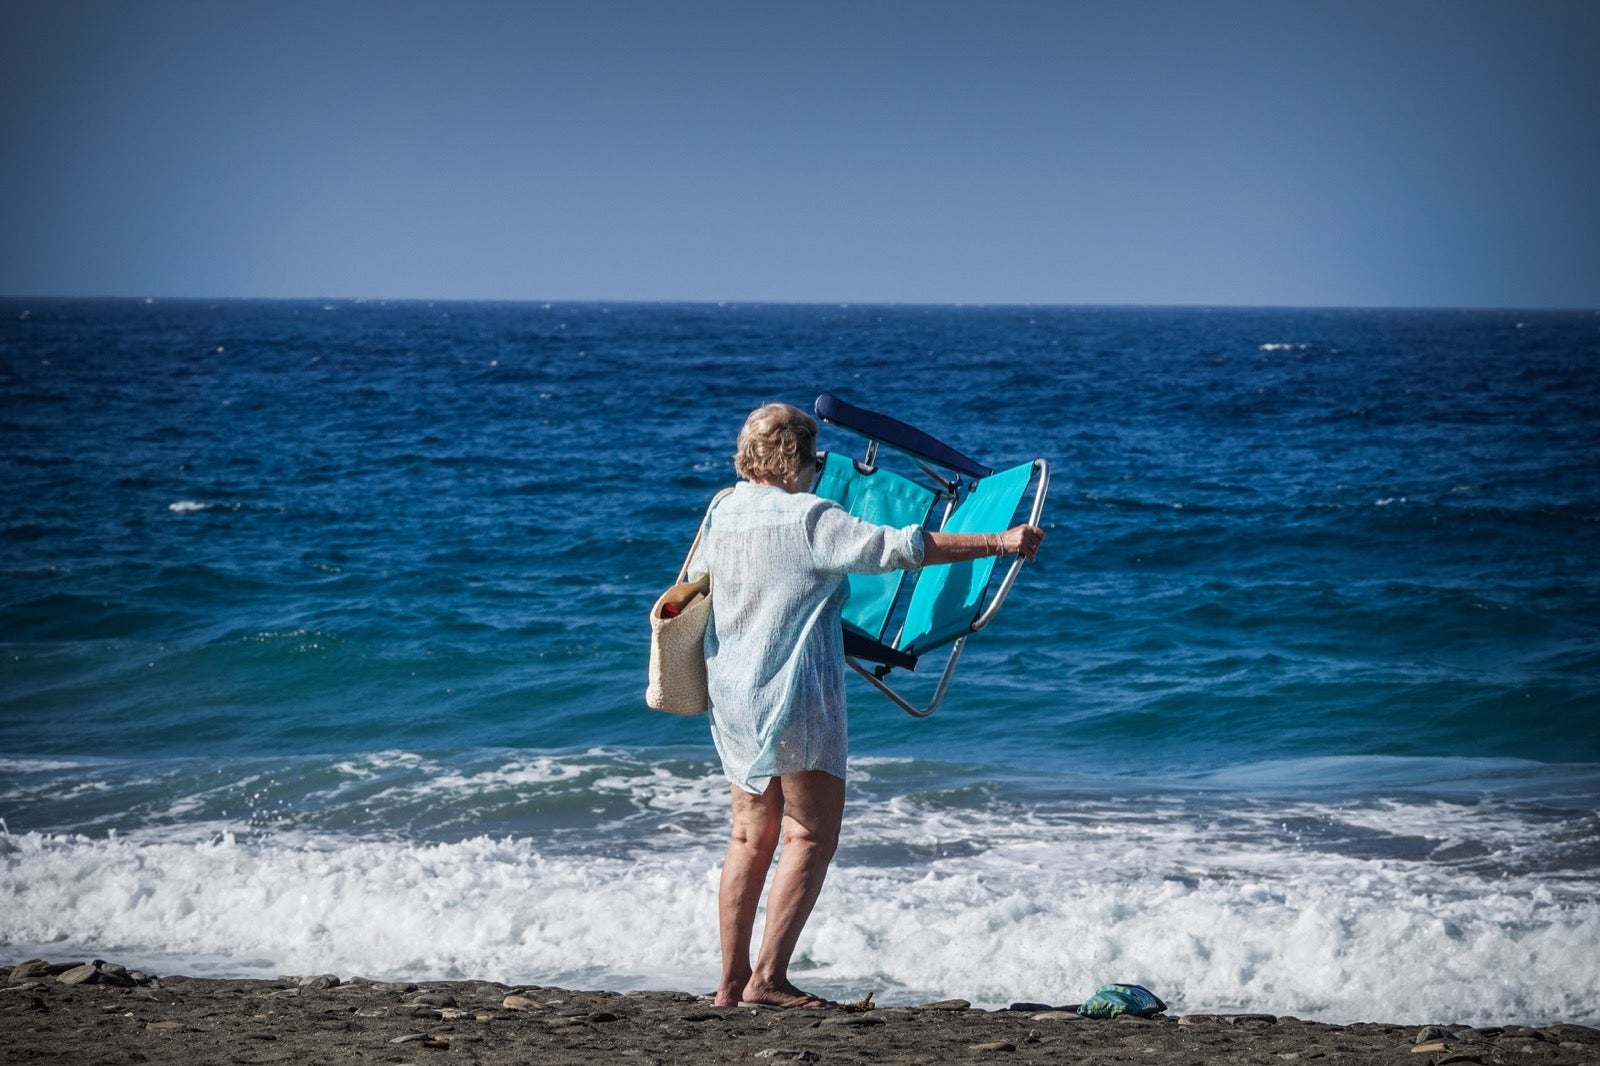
939 548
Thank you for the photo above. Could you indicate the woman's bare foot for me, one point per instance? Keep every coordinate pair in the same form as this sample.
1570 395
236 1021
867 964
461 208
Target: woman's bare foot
782 994
729 994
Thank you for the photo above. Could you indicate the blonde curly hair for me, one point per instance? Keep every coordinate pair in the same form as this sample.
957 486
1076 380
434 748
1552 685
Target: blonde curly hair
778 440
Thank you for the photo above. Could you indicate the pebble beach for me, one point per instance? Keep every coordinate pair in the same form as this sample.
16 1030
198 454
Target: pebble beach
100 1012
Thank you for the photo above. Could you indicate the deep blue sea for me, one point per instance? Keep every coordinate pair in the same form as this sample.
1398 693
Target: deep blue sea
323 639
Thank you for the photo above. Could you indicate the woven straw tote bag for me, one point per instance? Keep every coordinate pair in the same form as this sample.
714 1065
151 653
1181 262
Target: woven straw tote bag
677 682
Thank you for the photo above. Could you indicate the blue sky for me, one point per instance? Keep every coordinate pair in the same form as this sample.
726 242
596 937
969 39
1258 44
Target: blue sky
1409 152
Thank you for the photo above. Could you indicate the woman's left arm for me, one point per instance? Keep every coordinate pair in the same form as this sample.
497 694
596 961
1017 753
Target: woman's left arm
938 548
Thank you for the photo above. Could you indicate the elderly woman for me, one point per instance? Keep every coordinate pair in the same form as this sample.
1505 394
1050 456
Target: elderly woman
775 671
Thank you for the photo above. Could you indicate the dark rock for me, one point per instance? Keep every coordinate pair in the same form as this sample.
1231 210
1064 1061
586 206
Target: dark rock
435 999
946 1004
112 974
788 1055
852 1020
1026 1006
320 981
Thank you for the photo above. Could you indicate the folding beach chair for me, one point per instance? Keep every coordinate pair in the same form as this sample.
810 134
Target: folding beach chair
892 620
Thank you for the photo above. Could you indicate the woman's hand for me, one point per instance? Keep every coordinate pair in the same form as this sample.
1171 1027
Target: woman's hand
939 548
1022 540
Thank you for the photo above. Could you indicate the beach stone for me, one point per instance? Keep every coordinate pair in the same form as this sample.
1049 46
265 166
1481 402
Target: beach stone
1057 1016
31 970
168 1027
1249 1019
113 974
422 1011
401 987
87 974
993 1045
434 999
1430 1032
852 1020
947 1004
1026 1006
666 996
321 981
789 1055
515 1002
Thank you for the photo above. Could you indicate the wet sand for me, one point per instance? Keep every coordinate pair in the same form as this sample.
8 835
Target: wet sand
116 1017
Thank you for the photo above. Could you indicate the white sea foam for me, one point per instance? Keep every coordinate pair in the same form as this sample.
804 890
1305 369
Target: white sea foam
188 507
1216 909
32 766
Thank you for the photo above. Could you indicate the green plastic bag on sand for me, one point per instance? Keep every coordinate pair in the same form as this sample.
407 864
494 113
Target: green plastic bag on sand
1109 1001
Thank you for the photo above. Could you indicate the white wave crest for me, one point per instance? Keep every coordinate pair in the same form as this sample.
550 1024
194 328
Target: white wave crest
923 903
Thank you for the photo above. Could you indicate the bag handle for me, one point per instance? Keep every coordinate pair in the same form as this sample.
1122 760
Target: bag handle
683 571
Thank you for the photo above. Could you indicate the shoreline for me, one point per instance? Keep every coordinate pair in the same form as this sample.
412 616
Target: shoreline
100 1012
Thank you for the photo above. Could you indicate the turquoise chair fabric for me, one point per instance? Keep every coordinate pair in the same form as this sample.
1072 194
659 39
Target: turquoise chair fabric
885 498
947 599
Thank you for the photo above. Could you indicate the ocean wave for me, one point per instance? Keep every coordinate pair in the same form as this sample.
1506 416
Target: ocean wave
1227 925
599 868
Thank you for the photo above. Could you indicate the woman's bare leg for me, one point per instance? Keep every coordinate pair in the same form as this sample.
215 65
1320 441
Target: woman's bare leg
812 807
754 837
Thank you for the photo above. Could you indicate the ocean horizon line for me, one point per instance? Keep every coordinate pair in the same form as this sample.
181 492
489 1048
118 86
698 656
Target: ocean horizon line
734 302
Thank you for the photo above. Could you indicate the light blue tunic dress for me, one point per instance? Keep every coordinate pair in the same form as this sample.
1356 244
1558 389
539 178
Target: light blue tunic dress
774 654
